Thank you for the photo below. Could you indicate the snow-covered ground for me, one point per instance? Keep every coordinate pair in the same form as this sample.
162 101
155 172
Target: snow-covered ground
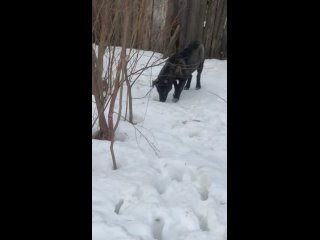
172 180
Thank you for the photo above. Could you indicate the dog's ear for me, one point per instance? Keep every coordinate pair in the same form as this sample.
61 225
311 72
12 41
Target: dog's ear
155 82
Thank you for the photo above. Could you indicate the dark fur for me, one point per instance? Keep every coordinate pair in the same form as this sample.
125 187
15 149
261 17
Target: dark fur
178 71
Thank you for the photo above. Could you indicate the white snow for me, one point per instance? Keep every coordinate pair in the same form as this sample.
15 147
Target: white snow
172 186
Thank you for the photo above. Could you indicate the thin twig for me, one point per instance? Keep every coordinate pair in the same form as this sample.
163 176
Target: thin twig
218 96
154 148
144 95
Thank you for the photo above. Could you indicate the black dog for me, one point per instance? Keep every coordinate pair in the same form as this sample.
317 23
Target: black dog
178 71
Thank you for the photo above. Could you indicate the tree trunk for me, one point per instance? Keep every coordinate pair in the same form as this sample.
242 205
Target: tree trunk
99 100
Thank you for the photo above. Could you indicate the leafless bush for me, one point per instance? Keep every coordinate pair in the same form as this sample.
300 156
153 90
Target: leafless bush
117 23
